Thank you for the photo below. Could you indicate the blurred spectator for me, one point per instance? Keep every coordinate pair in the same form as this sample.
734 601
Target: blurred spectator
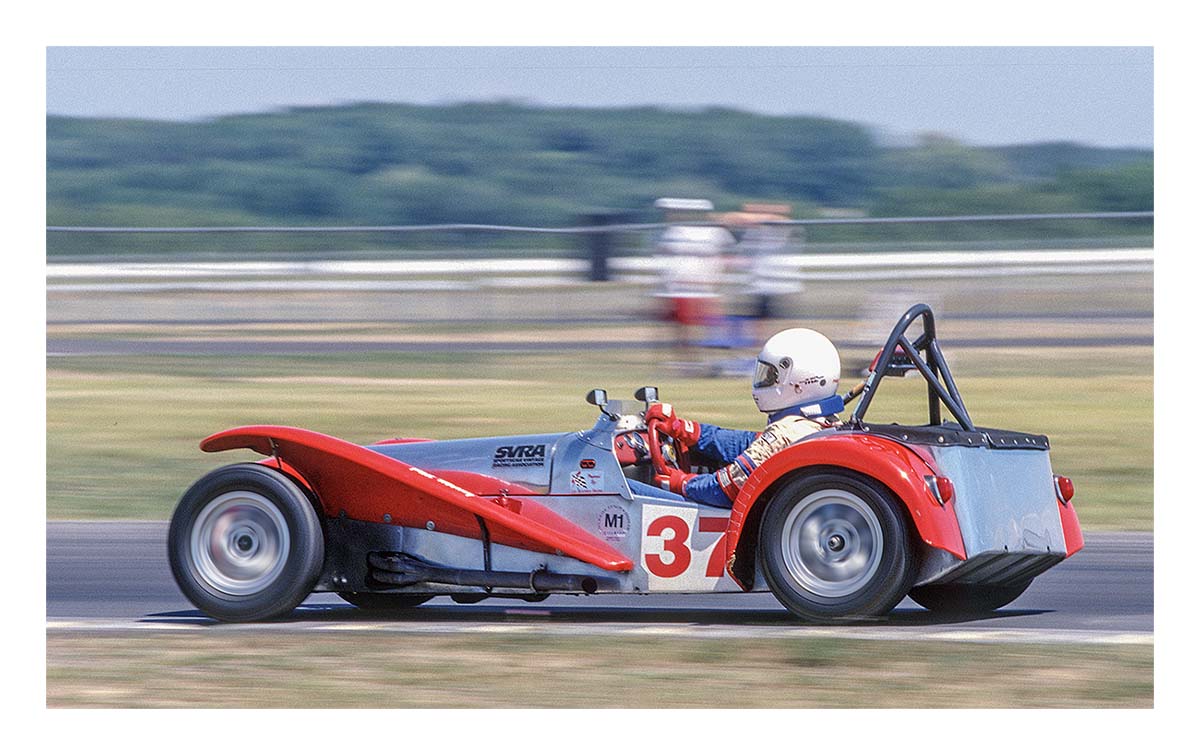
759 269
689 263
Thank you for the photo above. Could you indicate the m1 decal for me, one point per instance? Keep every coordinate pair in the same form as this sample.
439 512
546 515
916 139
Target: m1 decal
683 549
613 523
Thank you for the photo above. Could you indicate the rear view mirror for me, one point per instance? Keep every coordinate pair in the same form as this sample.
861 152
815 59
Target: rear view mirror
647 394
599 397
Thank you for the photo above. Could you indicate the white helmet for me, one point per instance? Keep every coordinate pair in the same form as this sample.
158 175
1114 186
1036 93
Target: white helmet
796 366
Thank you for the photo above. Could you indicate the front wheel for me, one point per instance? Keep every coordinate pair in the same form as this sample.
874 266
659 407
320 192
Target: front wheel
967 600
835 547
245 544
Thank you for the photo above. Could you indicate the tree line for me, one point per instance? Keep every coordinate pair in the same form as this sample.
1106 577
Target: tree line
509 163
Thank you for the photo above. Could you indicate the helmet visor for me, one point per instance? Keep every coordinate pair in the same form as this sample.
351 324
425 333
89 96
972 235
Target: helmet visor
765 374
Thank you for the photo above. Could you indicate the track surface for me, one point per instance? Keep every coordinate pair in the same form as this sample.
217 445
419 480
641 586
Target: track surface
115 575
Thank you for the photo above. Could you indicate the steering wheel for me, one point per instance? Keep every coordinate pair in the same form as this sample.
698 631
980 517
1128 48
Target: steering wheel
657 459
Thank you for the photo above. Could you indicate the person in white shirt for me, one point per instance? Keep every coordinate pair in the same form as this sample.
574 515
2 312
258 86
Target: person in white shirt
690 261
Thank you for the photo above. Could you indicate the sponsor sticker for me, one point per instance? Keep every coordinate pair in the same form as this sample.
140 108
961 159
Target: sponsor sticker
583 480
520 456
613 523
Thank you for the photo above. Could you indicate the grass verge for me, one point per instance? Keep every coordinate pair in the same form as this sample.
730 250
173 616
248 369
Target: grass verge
122 433
509 671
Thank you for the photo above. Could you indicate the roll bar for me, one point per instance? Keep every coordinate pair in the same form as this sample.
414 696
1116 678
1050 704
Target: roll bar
899 355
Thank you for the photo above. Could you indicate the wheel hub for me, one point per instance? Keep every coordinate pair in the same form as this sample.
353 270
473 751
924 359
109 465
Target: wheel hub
832 543
244 542
239 543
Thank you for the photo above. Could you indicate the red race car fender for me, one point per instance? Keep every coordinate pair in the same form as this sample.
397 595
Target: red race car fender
888 462
1072 532
365 485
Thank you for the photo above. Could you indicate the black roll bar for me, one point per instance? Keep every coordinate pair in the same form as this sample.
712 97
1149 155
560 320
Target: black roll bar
932 367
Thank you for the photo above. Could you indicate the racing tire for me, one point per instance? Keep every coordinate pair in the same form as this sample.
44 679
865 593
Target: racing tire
384 601
967 600
835 547
245 544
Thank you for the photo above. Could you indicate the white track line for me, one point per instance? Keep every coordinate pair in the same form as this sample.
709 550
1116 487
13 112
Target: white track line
689 631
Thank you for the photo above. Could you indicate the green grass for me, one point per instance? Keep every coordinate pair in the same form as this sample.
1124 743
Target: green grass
122 434
267 669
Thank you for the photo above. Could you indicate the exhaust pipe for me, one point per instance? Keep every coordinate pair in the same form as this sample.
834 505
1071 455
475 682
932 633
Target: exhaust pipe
402 570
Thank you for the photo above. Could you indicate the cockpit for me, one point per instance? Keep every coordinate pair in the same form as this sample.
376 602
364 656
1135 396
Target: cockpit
640 450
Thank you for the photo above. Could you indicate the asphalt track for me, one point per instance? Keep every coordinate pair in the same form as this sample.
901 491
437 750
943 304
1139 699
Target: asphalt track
107 576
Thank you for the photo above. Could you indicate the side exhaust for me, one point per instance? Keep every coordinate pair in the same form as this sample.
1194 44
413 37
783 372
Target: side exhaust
402 570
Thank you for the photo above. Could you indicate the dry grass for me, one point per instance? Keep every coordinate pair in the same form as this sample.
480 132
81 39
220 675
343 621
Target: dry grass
237 669
122 434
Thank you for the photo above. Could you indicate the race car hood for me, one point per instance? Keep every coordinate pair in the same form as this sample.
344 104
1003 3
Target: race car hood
525 460
360 483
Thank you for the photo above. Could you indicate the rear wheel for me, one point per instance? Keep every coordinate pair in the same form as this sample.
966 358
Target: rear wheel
245 544
965 600
383 601
835 547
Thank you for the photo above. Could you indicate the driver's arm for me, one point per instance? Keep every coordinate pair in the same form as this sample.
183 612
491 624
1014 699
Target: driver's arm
722 444
713 489
709 441
722 487
706 488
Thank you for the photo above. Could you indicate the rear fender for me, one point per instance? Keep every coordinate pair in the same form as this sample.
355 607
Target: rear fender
1072 532
895 466
355 482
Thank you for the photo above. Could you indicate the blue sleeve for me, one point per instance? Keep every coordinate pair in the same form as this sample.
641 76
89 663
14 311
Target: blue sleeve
724 445
705 489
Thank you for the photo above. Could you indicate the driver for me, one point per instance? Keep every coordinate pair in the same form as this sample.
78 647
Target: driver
795 385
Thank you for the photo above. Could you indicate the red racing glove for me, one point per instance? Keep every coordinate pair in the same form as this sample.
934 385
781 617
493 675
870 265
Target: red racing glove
682 430
673 480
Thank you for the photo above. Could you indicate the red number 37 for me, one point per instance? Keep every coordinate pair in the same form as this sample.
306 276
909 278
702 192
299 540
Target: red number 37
677 546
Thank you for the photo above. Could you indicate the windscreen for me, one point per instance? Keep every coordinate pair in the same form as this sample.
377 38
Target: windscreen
625 406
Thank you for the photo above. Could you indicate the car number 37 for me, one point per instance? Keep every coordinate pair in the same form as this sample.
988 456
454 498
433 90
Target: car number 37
684 550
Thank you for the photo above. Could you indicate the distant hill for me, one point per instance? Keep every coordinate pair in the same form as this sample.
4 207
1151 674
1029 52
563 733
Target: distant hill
510 163
1038 161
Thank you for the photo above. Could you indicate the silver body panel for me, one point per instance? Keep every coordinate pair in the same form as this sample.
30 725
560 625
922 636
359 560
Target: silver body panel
1004 501
521 459
596 498
466 553
1007 512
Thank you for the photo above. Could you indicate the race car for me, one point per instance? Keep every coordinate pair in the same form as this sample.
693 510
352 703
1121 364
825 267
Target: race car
839 526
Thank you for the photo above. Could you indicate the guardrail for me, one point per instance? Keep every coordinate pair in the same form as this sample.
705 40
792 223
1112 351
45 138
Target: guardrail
598 259
569 230
466 274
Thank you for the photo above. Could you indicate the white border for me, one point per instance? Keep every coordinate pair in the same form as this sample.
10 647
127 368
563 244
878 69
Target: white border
1163 25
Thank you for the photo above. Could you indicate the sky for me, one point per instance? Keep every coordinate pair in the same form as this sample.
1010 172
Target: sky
1101 96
